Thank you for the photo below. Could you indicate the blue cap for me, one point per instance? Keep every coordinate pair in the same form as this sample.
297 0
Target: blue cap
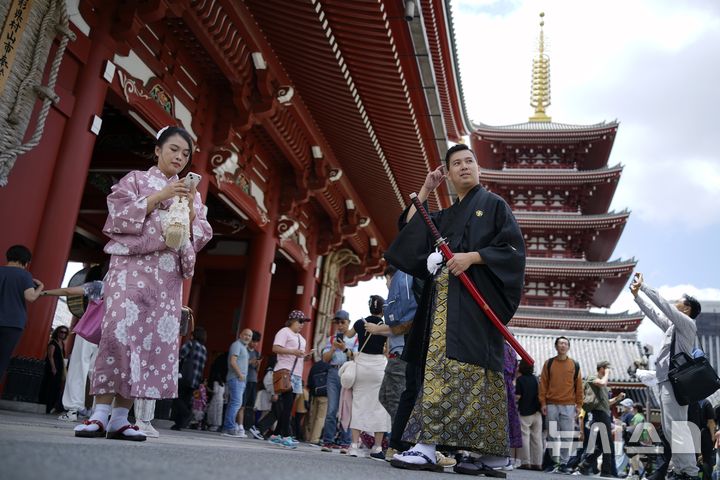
341 315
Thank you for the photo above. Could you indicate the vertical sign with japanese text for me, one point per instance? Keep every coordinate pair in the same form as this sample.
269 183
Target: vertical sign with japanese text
10 36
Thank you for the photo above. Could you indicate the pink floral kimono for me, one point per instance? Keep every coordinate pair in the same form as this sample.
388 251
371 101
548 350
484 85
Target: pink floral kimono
138 352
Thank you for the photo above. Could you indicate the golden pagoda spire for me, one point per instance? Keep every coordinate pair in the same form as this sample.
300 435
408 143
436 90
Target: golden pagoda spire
540 91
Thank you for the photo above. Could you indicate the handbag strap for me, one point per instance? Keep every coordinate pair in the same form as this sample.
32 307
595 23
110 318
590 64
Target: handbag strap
296 358
368 337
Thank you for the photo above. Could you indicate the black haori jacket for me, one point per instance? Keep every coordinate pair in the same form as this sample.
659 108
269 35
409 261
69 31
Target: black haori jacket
483 223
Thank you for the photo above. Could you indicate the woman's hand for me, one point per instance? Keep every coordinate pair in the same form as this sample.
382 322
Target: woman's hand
174 189
171 190
299 353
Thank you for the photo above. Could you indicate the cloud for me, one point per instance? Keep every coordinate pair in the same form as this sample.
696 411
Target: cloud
649 66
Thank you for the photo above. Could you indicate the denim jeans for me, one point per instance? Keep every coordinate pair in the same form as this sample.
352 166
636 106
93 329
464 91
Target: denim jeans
236 390
331 421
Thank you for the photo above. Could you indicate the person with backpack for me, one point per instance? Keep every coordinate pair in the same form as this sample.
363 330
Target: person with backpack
317 385
597 405
561 399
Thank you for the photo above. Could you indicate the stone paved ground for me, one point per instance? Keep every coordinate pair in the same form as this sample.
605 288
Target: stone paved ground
40 447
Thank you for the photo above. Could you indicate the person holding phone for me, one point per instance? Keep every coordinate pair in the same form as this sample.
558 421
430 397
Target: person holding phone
339 348
289 346
138 353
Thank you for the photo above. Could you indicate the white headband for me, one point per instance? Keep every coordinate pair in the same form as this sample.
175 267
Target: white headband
160 132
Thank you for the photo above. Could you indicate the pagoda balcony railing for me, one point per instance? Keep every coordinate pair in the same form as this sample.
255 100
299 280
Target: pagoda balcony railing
542 208
535 253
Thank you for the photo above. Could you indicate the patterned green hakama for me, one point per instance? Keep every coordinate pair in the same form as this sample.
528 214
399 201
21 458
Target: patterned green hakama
460 405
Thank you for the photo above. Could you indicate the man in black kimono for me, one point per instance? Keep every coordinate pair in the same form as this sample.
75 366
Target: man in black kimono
462 403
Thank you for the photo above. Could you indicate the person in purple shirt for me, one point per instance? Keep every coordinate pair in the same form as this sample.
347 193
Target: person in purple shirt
17 286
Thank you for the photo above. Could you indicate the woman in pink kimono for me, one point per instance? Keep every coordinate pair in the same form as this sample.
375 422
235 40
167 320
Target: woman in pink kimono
138 352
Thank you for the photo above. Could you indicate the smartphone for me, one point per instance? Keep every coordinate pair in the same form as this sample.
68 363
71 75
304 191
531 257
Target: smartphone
339 337
192 179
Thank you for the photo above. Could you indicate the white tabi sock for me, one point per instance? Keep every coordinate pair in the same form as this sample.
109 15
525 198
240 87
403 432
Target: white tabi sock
424 448
101 414
119 419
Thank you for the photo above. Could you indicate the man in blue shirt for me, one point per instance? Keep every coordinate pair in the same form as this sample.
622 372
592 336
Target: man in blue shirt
237 376
17 286
399 312
338 350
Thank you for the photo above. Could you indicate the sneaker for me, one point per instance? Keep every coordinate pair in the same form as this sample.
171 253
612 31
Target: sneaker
256 433
344 449
241 432
353 451
69 416
377 455
328 447
230 433
292 441
147 428
510 465
284 442
389 454
443 461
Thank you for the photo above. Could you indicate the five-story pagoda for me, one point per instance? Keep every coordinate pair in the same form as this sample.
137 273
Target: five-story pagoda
556 178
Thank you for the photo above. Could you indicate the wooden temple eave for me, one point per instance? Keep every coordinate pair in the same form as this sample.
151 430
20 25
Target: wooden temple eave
437 24
360 98
290 125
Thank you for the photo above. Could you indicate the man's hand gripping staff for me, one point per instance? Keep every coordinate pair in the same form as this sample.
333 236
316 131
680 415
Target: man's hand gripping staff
441 244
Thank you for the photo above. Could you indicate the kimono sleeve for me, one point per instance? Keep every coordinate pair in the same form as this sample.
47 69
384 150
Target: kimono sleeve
505 254
410 249
127 209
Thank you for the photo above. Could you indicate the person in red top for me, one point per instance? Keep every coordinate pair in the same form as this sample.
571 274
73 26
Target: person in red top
561 399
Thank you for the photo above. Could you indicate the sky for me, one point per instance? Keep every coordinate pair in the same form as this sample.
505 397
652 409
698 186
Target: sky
650 64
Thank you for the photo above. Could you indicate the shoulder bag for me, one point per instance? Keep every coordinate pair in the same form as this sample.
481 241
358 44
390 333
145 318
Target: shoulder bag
282 379
692 379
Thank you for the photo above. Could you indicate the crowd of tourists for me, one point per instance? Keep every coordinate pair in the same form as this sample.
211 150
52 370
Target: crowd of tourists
424 382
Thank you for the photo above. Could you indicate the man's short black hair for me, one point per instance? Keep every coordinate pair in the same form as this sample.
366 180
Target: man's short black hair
456 148
18 253
200 334
693 304
256 336
390 270
562 338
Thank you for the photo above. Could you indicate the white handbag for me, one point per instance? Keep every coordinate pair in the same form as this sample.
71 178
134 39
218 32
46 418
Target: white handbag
348 370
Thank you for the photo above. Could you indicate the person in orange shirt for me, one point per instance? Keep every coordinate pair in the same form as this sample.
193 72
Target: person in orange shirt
561 399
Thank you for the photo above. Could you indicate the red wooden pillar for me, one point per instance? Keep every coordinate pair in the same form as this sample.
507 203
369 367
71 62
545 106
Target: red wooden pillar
63 202
306 279
199 165
259 278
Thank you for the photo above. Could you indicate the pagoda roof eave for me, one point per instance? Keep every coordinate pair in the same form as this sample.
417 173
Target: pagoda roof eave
545 177
621 349
570 221
545 130
575 319
579 268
